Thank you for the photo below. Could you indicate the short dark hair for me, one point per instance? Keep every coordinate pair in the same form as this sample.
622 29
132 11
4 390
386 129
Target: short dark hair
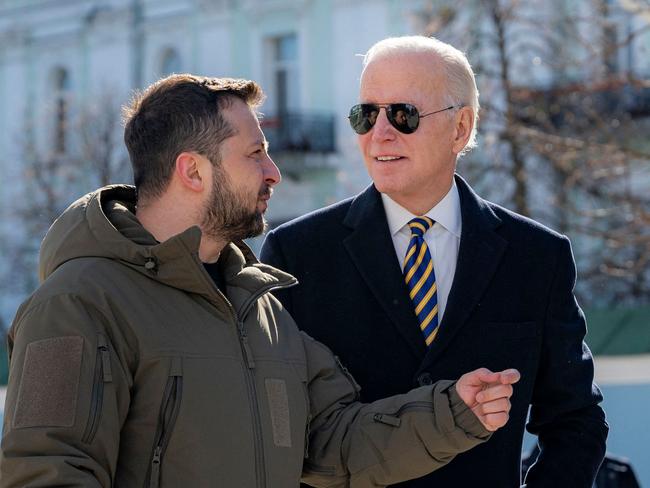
175 114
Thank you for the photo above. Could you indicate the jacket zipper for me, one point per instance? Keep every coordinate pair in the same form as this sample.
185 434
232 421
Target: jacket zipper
394 420
260 470
247 354
240 316
307 432
246 306
415 406
102 374
169 409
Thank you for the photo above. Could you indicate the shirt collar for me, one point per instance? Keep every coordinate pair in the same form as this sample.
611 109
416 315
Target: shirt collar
446 213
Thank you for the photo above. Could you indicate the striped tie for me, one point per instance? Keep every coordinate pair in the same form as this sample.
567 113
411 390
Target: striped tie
421 279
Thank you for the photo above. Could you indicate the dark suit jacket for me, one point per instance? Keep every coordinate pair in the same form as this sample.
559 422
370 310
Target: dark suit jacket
511 306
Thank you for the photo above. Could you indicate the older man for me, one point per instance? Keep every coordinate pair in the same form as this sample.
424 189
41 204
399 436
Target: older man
153 354
417 278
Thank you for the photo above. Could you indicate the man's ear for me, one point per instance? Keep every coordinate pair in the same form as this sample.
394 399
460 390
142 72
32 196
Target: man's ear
464 122
190 171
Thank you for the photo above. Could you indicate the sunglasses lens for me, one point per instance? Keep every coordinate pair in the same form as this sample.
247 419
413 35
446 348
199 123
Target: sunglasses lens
404 117
362 117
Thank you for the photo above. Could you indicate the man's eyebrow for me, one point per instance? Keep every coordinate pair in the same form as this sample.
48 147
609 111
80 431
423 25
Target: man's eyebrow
260 142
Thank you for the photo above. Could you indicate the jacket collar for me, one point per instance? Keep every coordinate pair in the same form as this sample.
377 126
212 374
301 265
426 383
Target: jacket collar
372 252
445 213
479 254
102 224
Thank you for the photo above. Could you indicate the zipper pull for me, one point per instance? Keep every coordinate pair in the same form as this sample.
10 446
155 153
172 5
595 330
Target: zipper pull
155 468
383 418
106 359
247 350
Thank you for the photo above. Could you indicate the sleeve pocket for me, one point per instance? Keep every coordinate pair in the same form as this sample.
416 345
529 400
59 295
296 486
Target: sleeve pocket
48 390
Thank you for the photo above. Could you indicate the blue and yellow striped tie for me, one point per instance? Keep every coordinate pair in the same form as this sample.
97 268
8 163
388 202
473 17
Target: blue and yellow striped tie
421 279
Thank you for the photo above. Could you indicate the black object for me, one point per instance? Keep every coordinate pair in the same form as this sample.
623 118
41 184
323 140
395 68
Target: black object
615 472
403 116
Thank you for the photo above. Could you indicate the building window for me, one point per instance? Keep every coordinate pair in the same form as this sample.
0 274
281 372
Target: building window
61 85
288 126
170 62
285 87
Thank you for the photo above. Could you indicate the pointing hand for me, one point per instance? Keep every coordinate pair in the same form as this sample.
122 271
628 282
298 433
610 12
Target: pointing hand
488 395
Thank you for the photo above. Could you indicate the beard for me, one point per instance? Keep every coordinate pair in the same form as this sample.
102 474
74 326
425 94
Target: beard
227 215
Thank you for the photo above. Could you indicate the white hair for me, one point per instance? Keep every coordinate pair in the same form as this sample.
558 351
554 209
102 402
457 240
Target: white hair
459 76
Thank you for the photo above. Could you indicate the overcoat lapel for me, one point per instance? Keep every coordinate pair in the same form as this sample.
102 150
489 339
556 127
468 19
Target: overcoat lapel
480 251
372 252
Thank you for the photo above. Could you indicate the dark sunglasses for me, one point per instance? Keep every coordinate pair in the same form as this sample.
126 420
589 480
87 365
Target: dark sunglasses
403 116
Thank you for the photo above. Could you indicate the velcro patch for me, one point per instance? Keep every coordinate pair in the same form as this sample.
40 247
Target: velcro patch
276 391
47 394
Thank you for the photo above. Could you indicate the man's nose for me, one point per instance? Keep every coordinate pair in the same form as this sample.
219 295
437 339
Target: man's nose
383 130
272 174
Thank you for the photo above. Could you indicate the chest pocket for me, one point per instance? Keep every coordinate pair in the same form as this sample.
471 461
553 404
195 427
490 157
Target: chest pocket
169 409
502 345
508 331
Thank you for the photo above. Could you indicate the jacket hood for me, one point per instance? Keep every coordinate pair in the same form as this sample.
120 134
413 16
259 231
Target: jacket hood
102 224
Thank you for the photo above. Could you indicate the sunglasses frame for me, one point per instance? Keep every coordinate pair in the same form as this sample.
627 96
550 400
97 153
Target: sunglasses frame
389 107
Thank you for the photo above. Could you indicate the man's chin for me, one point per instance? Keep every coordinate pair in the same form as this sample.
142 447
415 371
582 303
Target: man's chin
263 226
259 227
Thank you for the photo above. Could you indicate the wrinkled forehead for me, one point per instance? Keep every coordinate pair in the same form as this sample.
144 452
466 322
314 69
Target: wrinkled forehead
405 77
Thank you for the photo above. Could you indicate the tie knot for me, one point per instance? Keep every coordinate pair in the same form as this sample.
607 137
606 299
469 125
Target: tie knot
419 225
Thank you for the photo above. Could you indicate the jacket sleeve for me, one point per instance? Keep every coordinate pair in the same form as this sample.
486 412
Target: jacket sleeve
67 398
384 442
565 415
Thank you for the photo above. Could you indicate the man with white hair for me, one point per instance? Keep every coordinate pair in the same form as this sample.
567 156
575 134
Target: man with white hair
432 280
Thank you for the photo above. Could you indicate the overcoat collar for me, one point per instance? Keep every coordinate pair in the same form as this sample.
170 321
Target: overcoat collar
371 249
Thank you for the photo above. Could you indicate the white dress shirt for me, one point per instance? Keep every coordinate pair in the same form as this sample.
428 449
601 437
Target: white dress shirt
443 239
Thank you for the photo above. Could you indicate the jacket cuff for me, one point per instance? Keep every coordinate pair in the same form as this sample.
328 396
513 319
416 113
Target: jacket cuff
464 418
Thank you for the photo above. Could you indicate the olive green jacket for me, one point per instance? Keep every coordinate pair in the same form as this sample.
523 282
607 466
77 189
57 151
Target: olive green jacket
130 368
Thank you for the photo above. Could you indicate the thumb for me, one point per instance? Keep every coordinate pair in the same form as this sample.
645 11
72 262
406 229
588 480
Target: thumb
509 376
